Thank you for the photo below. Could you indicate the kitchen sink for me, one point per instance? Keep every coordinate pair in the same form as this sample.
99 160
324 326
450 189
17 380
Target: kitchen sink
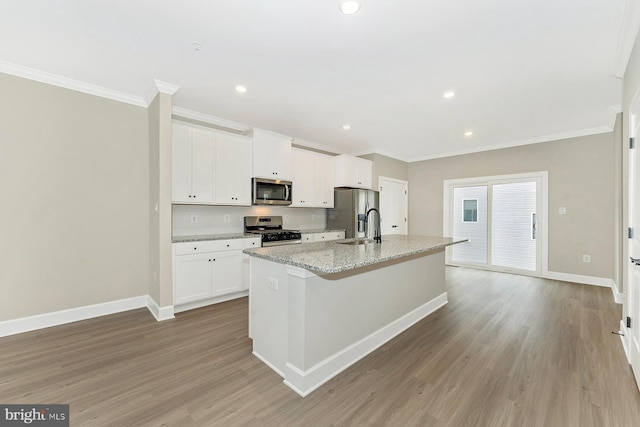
356 242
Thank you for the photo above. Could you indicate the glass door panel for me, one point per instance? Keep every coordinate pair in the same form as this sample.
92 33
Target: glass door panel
513 226
470 221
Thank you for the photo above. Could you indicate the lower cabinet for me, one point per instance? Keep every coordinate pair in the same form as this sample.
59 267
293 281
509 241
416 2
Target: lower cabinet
325 236
210 271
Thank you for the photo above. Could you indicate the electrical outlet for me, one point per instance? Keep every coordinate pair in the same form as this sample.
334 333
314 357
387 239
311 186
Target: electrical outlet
227 218
155 276
586 258
286 217
562 211
194 219
273 283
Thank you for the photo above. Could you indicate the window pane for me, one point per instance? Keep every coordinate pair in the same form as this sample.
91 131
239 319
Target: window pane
470 208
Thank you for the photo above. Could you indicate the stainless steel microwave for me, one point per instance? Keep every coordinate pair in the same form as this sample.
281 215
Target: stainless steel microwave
271 191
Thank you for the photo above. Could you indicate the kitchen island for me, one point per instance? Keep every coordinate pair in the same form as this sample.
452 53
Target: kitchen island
316 309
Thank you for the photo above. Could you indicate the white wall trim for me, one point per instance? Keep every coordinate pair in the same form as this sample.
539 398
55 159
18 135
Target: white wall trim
529 141
160 313
67 83
618 296
55 318
626 37
205 118
304 382
209 301
578 278
625 338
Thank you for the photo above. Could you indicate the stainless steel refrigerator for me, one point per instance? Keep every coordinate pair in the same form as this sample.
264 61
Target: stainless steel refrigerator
350 208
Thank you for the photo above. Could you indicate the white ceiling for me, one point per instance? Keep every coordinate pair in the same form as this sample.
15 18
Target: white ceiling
523 71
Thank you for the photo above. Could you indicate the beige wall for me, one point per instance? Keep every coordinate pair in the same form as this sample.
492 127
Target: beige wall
387 167
581 178
74 184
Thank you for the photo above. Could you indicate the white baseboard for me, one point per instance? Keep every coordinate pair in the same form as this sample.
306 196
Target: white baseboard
304 382
618 296
205 302
624 339
578 278
46 320
160 313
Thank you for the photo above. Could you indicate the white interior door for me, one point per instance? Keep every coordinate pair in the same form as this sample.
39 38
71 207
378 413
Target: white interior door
394 196
633 293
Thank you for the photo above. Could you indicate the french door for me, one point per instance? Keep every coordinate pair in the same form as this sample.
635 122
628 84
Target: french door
502 218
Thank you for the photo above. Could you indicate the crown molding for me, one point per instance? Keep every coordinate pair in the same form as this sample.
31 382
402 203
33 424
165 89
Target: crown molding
67 83
627 36
159 87
205 118
529 141
315 146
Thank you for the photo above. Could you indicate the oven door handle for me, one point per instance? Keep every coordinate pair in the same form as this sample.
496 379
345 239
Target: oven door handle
286 192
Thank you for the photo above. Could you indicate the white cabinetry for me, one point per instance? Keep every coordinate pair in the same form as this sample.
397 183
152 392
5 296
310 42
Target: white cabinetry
313 177
210 271
325 236
271 155
353 171
232 166
192 163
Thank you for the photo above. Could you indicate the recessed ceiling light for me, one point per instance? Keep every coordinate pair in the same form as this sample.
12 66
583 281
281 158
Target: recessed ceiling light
349 7
346 127
241 88
197 45
468 133
449 94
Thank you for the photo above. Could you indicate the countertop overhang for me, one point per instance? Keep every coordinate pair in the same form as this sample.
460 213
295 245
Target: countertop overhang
336 257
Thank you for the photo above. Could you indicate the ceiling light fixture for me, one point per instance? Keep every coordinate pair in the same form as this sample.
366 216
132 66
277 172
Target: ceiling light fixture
241 89
449 94
197 45
468 133
346 127
349 7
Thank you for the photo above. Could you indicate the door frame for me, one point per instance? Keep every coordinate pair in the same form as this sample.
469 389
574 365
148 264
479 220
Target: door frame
541 219
630 273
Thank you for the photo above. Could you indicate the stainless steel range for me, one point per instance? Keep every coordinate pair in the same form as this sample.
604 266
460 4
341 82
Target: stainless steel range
270 230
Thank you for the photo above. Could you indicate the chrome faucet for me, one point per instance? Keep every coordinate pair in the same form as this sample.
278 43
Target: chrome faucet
377 235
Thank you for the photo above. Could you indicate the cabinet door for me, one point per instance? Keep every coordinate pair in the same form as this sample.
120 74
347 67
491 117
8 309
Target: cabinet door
324 181
303 178
193 278
227 272
232 170
363 169
202 165
271 155
181 164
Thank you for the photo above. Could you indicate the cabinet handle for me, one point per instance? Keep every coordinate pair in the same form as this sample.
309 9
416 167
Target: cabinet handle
227 245
195 249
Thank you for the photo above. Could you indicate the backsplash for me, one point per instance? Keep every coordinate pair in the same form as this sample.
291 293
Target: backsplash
211 219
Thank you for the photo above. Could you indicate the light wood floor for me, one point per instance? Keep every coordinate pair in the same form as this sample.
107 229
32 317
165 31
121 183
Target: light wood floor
506 351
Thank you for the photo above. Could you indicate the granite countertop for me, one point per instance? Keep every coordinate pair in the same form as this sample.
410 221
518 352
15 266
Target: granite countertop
333 257
205 237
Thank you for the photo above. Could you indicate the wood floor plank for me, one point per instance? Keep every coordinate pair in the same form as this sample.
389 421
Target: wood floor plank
505 351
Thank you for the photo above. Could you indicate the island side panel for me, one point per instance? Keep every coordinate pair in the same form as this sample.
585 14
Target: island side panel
268 313
342 309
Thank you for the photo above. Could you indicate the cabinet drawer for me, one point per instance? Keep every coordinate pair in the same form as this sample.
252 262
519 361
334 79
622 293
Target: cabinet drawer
330 235
252 243
186 248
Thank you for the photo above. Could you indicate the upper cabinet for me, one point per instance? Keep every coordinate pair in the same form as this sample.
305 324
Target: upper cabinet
232 170
192 163
353 171
210 166
271 155
313 176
